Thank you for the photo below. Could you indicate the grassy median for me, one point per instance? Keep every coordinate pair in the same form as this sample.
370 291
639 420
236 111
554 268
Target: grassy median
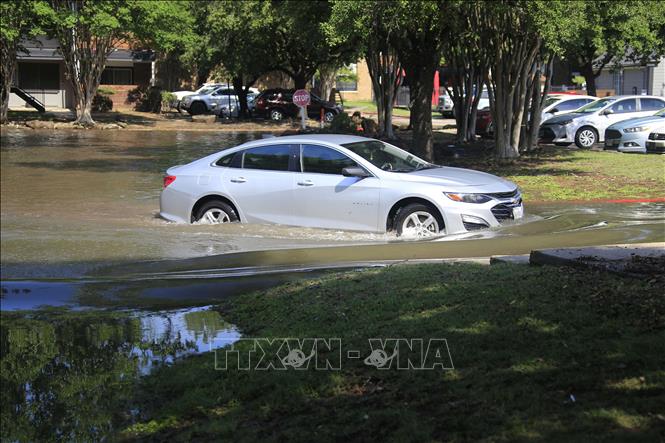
560 174
539 353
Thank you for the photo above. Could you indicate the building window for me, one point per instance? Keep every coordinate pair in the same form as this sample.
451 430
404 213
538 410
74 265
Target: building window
39 76
117 76
347 78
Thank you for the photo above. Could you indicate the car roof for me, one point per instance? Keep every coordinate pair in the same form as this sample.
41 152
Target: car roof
631 96
337 139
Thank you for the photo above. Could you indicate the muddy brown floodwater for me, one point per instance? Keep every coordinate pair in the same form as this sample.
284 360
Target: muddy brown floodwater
72 200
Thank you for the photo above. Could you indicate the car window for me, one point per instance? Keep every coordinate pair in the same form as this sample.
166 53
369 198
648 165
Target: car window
322 160
387 157
271 158
651 104
230 160
550 101
624 106
570 105
596 105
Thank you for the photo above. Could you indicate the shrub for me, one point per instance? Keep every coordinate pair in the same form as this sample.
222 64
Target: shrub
168 101
146 99
342 124
101 103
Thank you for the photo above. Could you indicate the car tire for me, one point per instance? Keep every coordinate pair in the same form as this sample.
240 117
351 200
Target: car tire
197 108
586 137
216 212
276 115
428 224
328 116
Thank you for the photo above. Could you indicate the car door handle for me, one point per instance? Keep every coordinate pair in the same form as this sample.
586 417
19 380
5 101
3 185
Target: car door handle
238 180
306 183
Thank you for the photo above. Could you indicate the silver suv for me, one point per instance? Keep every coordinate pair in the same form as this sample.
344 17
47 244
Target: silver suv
586 126
210 100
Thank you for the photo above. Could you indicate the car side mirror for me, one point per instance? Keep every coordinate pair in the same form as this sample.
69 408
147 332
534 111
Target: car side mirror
354 171
554 111
608 112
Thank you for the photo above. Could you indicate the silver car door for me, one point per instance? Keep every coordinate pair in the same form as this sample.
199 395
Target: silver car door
263 186
324 198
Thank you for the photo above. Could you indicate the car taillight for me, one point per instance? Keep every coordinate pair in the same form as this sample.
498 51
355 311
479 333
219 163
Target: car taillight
168 179
260 103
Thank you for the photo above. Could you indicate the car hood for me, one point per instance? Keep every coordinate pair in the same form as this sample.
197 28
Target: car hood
566 116
458 179
637 121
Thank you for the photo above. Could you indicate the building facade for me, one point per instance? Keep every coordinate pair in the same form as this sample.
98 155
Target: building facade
41 73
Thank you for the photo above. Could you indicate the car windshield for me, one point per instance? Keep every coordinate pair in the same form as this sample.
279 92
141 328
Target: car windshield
388 157
660 113
551 101
596 106
206 90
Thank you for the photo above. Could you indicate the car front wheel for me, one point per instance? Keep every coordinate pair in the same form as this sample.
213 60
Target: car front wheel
418 221
586 137
215 213
197 108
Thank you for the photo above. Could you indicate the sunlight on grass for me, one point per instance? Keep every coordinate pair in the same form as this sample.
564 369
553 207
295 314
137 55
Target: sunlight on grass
532 366
427 313
537 325
477 328
621 418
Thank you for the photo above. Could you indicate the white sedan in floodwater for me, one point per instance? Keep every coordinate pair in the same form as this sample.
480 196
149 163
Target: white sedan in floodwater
336 182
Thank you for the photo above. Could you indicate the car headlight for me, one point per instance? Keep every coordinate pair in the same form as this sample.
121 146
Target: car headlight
468 198
637 129
566 122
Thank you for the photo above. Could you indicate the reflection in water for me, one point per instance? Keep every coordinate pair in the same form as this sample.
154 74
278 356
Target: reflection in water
69 375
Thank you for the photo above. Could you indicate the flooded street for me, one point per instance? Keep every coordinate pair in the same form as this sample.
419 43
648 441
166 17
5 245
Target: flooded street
90 273
74 200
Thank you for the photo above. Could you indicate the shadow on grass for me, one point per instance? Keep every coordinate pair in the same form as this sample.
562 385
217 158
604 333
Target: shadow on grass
539 353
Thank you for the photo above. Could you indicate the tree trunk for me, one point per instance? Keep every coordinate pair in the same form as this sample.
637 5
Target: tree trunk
241 92
422 85
590 79
327 76
384 69
8 71
300 80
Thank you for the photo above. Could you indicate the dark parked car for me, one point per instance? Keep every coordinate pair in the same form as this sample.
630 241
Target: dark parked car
277 104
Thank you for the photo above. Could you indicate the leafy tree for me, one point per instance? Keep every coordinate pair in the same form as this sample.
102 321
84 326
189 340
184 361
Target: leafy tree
371 27
466 57
89 31
238 40
18 21
610 30
418 46
300 41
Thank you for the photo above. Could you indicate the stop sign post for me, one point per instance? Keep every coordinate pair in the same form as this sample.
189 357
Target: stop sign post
301 99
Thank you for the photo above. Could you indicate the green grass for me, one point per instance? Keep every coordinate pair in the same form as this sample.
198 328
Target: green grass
367 106
523 341
558 174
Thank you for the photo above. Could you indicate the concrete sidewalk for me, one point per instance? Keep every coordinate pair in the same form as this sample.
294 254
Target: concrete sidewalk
632 259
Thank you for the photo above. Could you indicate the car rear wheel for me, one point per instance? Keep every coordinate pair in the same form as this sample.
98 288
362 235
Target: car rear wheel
216 212
276 115
328 116
197 108
418 221
586 137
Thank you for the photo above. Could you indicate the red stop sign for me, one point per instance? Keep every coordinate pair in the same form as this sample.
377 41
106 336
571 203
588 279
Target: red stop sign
301 98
